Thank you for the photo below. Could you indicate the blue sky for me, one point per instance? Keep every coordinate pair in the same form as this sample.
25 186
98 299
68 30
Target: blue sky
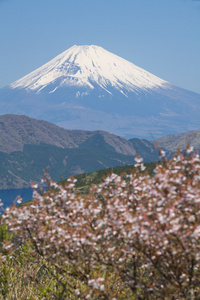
161 36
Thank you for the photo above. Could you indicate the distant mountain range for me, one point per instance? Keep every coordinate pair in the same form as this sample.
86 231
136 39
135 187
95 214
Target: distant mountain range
172 142
27 146
17 131
87 87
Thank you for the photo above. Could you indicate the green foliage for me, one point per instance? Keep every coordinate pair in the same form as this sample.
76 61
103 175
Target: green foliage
84 181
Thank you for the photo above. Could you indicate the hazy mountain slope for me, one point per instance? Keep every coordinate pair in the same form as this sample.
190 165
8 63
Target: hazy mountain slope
17 131
147 150
40 144
19 168
172 142
87 87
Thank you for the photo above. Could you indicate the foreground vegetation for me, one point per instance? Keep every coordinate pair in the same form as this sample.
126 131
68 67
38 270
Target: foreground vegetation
133 236
85 181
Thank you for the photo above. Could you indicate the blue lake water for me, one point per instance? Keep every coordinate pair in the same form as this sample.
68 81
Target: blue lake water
9 196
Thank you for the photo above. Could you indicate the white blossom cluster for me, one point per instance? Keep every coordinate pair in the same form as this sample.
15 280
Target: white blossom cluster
123 218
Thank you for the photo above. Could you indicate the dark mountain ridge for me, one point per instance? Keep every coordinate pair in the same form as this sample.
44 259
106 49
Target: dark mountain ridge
17 131
27 146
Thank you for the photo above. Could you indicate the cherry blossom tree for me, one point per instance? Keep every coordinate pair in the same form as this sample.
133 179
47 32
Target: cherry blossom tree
132 237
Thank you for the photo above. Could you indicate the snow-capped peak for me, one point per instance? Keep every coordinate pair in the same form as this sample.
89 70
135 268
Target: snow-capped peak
86 66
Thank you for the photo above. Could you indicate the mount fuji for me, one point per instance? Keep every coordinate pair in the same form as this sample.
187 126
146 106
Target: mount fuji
87 87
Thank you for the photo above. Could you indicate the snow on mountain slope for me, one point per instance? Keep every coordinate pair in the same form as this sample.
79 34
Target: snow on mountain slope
87 87
85 65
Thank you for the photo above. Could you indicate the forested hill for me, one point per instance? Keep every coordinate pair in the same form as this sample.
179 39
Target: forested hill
28 146
19 130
